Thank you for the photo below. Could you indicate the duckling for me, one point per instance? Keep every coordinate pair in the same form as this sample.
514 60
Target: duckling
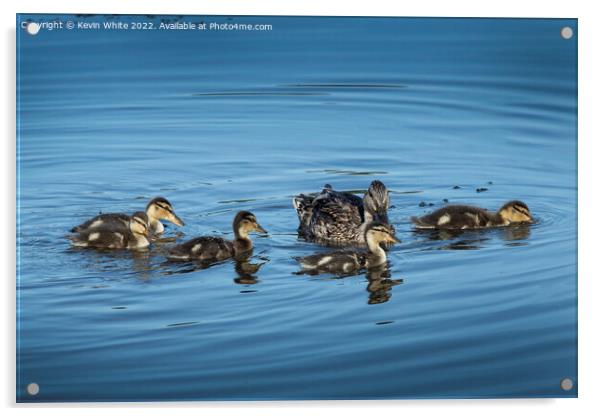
212 249
345 262
157 209
341 217
461 217
136 237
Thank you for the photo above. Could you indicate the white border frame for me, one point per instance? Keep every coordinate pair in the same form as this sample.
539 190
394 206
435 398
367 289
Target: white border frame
590 137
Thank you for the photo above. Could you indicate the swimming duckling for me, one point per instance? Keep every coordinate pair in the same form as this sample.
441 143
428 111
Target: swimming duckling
135 237
344 262
341 217
461 217
212 249
157 209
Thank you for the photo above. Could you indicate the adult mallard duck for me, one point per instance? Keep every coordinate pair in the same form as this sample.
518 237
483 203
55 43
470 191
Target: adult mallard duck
341 217
212 249
462 217
157 209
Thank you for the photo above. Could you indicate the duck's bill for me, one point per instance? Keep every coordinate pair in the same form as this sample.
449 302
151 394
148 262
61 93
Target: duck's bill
392 239
171 217
260 229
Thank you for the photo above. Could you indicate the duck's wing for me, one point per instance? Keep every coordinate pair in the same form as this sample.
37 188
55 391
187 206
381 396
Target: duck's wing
202 249
116 221
337 216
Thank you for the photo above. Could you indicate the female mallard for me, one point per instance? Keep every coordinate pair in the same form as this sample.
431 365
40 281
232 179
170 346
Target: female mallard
462 217
135 237
341 217
157 209
211 249
344 262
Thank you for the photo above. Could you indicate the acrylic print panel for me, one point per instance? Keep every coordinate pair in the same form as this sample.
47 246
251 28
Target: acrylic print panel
219 115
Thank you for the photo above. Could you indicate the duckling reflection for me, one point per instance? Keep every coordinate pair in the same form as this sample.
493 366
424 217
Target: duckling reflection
463 240
246 270
380 284
475 239
518 232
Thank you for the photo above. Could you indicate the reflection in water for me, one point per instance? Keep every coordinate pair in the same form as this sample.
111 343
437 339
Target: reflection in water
245 270
475 239
517 232
380 284
378 278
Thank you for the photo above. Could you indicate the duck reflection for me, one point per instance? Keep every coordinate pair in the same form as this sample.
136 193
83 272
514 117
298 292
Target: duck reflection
380 284
378 278
246 271
475 239
515 234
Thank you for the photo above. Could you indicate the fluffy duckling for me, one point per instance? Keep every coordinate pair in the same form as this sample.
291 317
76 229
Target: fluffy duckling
341 217
212 249
462 217
157 209
344 262
135 237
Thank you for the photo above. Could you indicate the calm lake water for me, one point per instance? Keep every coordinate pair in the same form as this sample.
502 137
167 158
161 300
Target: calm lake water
220 121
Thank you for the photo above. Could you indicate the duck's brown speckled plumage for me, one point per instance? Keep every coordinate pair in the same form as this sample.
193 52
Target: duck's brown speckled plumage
340 217
462 217
212 249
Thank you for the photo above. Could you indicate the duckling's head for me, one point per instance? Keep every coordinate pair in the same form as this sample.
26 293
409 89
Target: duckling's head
376 202
244 223
515 212
378 232
160 208
139 223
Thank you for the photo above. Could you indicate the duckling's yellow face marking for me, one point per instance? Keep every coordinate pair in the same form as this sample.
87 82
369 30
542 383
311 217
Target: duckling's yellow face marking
249 224
161 210
516 213
381 234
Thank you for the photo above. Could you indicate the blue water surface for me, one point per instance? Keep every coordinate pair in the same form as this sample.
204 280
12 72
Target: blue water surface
223 120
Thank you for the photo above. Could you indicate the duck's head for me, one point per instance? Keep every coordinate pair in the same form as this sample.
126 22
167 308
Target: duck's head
515 212
245 223
139 223
378 232
376 202
160 208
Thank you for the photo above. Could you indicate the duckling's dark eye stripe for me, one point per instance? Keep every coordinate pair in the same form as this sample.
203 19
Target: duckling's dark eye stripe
140 222
521 210
165 207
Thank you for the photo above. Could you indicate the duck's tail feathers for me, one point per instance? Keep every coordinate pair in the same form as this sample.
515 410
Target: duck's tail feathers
303 206
376 199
